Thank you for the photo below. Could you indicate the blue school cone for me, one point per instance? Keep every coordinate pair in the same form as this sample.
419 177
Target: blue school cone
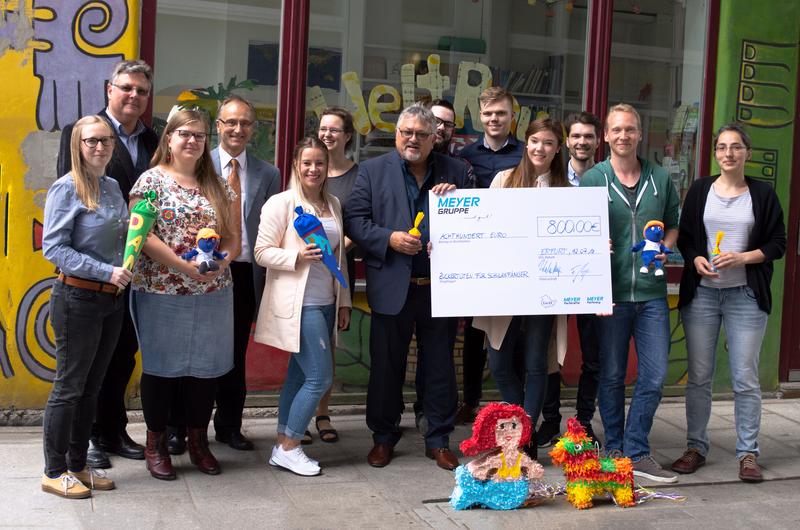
310 229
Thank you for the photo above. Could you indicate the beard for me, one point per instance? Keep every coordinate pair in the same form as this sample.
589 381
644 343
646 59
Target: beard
581 157
412 156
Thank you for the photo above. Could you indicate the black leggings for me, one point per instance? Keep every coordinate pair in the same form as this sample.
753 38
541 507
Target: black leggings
195 395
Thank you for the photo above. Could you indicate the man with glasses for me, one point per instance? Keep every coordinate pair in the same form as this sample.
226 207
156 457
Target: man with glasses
388 193
128 91
495 150
255 181
445 115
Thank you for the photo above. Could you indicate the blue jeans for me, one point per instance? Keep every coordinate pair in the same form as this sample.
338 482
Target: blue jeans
648 323
86 326
310 372
735 308
534 333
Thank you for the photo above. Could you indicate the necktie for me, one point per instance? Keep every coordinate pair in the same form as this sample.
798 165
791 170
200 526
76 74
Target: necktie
236 185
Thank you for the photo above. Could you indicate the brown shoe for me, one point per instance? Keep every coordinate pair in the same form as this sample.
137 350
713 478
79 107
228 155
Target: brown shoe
690 462
199 454
94 479
380 455
66 486
156 456
444 457
465 414
749 470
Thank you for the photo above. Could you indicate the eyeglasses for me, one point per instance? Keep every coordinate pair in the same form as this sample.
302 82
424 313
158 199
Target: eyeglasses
130 88
736 148
92 142
447 124
421 135
186 135
231 124
332 130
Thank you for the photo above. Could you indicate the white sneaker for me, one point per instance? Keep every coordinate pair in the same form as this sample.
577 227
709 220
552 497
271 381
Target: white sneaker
295 461
276 446
644 270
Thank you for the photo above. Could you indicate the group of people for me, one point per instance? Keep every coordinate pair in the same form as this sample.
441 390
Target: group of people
193 327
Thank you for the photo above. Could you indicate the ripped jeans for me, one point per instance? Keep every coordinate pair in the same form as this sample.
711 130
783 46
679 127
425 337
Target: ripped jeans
310 372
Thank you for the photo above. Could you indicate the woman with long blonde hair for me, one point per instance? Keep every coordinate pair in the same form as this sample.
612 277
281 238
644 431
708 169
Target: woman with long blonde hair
85 222
184 318
303 304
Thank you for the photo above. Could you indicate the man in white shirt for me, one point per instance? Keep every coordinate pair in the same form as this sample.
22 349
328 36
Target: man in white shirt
236 122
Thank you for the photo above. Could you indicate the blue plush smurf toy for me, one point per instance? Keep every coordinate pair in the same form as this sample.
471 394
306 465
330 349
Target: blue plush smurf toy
206 251
651 246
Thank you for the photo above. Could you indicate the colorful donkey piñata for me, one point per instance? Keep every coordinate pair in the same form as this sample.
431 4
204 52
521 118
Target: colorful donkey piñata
587 474
500 478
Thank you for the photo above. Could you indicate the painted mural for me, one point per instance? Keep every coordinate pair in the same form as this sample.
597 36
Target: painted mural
757 73
55 56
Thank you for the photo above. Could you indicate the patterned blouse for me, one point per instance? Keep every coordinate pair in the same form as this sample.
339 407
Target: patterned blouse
182 213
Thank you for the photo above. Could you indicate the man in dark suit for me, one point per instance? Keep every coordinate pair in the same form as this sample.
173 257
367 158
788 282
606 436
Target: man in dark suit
128 89
258 181
386 197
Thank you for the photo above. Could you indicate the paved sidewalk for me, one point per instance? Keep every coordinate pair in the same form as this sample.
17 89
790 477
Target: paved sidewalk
410 492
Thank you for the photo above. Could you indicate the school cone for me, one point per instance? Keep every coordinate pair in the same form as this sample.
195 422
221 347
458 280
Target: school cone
143 216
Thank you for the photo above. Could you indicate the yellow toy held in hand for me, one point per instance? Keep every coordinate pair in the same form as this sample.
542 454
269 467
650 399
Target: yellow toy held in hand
415 230
716 251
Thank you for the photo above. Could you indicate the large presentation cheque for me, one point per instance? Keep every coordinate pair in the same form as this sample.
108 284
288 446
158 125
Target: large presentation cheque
522 251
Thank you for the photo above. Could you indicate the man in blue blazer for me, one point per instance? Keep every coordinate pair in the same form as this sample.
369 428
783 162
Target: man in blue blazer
258 180
386 197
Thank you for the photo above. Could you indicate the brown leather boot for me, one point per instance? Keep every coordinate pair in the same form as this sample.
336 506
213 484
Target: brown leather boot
156 456
199 453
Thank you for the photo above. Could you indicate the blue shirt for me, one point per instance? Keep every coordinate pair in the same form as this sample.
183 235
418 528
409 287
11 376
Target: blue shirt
418 202
83 243
130 141
487 163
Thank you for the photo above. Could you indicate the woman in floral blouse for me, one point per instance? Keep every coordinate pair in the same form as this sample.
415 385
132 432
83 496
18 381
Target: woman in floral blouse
184 319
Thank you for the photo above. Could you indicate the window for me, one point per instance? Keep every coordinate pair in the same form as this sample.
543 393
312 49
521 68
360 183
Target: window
208 49
394 52
657 66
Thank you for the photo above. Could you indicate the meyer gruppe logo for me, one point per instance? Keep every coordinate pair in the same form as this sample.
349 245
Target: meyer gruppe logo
456 205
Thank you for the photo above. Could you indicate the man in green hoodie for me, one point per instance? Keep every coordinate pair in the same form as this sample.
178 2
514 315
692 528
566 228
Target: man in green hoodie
638 191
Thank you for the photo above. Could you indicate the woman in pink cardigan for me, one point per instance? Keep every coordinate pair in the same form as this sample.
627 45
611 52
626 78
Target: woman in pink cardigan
302 301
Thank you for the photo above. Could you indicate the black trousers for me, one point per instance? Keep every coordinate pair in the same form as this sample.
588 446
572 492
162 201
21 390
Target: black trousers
587 383
390 336
111 417
86 326
160 395
232 387
473 362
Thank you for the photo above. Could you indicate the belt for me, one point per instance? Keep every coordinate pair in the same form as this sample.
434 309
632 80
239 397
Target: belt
89 285
420 281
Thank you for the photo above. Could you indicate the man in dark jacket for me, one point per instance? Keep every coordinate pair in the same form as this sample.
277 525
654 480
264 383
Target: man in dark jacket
129 88
386 197
638 192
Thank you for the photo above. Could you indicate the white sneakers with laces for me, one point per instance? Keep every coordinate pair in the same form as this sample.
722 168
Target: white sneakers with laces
294 460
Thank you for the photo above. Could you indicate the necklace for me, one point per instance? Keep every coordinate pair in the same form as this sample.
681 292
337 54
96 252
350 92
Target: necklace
319 208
